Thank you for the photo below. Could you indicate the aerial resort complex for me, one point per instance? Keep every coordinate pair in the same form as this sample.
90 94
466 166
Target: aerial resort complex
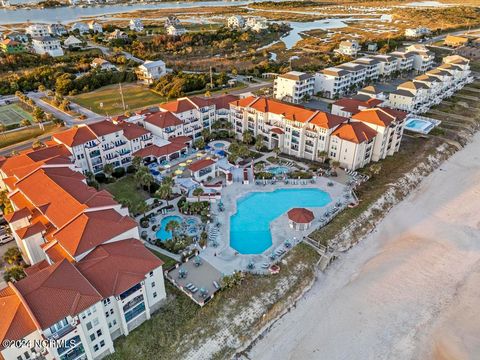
177 178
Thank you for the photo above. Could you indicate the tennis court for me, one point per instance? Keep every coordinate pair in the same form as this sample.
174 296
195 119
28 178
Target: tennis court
13 114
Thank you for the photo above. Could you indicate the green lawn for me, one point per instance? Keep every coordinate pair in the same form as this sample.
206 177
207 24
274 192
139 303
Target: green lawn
13 114
15 137
126 188
108 101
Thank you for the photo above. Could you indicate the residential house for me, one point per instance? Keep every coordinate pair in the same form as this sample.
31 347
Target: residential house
136 25
348 47
165 150
95 27
389 64
150 71
176 30
37 30
82 28
102 64
171 20
293 86
202 170
8 46
372 47
347 107
417 32
57 29
423 58
455 41
16 36
236 22
256 23
72 42
47 45
117 34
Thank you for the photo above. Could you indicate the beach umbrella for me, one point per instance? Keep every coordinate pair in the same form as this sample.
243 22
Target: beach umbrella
178 172
189 161
199 155
182 164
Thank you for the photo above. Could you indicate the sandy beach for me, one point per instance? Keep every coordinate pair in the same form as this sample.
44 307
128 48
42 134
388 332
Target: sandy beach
408 291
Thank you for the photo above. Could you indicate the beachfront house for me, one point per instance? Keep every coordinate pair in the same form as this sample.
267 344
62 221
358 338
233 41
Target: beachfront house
176 30
72 43
136 25
47 45
417 32
236 22
95 27
57 29
102 64
150 71
349 48
37 30
8 46
81 27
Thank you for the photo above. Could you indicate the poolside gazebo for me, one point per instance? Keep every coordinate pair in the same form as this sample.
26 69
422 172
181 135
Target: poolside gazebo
300 218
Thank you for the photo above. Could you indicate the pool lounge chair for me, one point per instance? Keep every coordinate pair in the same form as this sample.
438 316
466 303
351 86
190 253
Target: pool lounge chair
265 265
216 285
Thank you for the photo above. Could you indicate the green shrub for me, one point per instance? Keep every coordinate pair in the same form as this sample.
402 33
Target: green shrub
118 172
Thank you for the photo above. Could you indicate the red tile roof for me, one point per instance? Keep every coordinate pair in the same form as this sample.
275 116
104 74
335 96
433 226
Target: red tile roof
300 215
182 139
326 120
17 215
179 105
103 127
163 119
223 101
75 136
158 151
37 267
115 267
200 164
57 291
132 131
276 130
30 230
377 116
91 229
356 132
15 320
56 252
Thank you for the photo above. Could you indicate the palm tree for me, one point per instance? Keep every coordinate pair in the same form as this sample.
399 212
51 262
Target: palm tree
13 256
335 164
322 155
168 180
142 208
108 170
259 142
14 273
198 192
247 137
136 162
164 192
172 226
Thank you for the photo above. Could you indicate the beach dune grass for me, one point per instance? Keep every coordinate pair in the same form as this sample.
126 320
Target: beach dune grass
108 100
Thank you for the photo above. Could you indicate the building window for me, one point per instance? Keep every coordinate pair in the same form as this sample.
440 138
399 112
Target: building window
102 343
109 325
95 348
27 355
92 337
111 311
107 314
114 322
151 273
154 294
89 326
95 322
153 284
99 332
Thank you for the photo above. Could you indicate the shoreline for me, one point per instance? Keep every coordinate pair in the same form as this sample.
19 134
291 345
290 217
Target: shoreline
270 332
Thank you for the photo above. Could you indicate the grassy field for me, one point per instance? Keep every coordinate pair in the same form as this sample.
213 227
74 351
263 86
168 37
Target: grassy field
15 137
13 114
126 188
135 96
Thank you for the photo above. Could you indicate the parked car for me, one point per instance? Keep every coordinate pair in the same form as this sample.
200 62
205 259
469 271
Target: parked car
5 238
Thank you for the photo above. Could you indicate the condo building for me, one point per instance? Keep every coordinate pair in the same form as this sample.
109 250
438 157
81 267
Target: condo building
293 86
90 281
311 134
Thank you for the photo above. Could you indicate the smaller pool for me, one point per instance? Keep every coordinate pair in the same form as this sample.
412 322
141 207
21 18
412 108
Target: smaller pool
422 126
191 221
278 170
219 145
162 233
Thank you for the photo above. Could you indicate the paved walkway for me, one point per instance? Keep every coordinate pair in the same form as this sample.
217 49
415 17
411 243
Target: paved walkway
162 251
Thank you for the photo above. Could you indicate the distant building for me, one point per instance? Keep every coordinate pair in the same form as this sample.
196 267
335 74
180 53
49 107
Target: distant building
47 45
423 58
37 30
293 86
72 42
454 41
117 35
150 71
16 36
256 23
57 29
236 22
171 20
95 27
81 27
136 25
349 48
417 32
372 47
102 64
11 46
176 30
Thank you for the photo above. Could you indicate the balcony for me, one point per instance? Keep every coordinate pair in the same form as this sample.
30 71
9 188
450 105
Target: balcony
95 154
74 354
62 332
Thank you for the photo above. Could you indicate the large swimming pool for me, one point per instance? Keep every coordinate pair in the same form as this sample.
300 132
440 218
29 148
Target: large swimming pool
250 225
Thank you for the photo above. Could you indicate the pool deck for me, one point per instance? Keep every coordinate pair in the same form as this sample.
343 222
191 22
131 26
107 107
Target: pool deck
227 260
